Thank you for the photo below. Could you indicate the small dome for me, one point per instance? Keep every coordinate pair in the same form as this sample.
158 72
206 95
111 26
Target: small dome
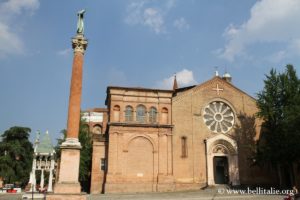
226 75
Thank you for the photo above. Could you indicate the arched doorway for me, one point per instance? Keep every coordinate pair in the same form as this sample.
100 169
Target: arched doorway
222 160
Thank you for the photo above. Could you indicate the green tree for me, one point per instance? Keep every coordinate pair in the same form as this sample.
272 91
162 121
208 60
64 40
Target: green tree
85 166
59 142
279 107
16 153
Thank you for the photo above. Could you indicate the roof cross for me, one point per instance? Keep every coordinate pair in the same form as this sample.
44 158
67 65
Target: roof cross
218 89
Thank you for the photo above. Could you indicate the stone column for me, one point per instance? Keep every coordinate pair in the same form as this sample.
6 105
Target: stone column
33 174
30 178
49 189
40 163
70 149
50 180
42 179
79 44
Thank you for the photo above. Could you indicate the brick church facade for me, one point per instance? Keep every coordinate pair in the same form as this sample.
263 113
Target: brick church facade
168 140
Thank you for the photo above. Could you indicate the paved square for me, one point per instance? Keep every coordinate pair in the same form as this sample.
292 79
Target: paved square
208 194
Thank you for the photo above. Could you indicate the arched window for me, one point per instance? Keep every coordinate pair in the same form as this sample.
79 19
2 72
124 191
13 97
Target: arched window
116 113
164 116
128 114
153 115
141 114
97 129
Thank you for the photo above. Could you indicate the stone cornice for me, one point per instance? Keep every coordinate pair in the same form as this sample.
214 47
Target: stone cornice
140 125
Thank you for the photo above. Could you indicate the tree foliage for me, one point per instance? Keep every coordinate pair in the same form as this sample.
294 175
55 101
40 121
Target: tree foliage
85 166
279 107
16 155
245 133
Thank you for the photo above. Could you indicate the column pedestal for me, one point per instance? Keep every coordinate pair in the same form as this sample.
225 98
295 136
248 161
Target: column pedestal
69 169
68 186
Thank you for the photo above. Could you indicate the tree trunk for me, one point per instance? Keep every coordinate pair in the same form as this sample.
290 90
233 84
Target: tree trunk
292 174
279 175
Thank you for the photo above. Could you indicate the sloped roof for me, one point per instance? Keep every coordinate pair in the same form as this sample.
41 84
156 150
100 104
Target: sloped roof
45 146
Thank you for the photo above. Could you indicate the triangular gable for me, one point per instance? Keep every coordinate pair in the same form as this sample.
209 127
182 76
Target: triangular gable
216 78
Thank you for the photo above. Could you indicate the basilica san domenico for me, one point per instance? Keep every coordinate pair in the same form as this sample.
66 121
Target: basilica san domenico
149 140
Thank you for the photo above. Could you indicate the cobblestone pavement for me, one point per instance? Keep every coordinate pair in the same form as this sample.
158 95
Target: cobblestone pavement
10 196
207 194
18 196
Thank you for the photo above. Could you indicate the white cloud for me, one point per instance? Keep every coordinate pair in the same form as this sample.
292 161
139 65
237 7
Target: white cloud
181 24
10 41
64 52
153 19
184 78
15 7
270 21
150 14
135 10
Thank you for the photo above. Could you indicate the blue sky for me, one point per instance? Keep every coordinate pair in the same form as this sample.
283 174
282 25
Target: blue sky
135 43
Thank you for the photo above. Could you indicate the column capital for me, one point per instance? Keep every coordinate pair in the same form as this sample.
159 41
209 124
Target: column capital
79 43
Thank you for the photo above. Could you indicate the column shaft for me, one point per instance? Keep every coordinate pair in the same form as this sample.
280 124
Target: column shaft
33 174
49 189
75 96
50 180
42 180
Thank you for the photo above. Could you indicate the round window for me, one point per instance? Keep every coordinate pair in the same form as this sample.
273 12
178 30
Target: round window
218 117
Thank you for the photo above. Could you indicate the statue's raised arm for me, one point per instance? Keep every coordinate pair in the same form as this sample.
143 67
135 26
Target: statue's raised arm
80 25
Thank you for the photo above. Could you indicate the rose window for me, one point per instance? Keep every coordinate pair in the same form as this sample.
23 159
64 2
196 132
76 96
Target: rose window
218 117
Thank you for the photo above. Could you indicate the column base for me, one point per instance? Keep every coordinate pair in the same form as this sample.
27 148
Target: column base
68 188
71 143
